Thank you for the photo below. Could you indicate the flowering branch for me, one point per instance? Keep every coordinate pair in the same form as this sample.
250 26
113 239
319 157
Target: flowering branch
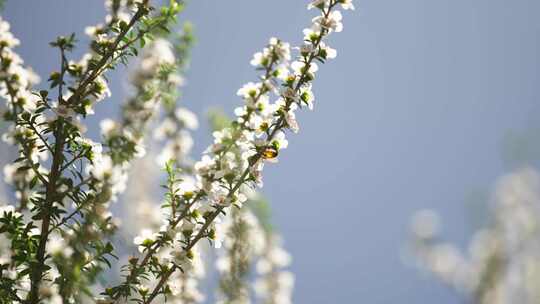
88 85
218 177
59 134
500 264
15 85
60 236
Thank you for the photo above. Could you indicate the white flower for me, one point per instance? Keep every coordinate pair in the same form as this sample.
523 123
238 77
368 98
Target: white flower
219 238
300 68
306 49
318 4
101 168
165 129
327 52
274 283
281 49
95 147
204 166
290 118
145 236
177 148
64 111
102 89
279 257
57 245
281 73
92 31
188 118
289 93
9 173
281 141
107 126
8 209
258 59
29 100
159 52
6 37
187 227
256 173
310 34
332 23
307 97
220 196
347 4
249 91
176 79
275 48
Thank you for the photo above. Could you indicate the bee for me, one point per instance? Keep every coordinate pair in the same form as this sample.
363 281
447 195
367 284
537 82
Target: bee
270 153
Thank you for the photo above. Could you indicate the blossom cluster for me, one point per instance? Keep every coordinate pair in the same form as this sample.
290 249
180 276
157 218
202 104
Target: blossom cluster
238 154
244 240
274 284
501 265
253 248
125 139
172 133
57 241
59 175
16 81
